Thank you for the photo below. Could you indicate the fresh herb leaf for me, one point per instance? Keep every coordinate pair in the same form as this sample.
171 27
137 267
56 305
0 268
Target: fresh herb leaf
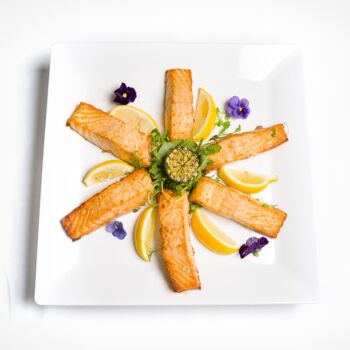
223 121
161 147
265 205
209 149
256 252
135 161
215 178
194 206
136 210
273 132
190 144
238 129
166 147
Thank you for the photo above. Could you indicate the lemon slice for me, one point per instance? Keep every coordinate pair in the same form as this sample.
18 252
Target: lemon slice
144 232
210 235
107 170
245 181
138 118
205 117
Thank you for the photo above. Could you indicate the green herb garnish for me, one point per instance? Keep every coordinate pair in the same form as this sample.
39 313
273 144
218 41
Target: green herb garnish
161 146
273 132
194 206
135 161
238 129
223 121
265 205
256 252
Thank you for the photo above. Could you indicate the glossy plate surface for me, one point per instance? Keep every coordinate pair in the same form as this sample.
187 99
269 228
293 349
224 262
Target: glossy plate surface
101 270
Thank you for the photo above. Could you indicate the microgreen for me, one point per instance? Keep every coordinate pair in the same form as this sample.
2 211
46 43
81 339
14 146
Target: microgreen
135 161
161 146
222 121
256 252
273 132
266 205
194 206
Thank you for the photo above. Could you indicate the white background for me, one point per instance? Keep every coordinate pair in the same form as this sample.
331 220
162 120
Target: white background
28 29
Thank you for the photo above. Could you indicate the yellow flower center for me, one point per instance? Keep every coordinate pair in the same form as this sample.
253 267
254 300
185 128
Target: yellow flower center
240 109
125 95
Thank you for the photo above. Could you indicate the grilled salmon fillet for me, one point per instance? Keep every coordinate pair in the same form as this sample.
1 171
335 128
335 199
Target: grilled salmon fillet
179 114
177 251
238 206
111 134
117 199
247 144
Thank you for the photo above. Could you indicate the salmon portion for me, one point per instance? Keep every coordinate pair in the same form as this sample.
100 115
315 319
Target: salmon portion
179 114
111 134
238 206
247 144
117 199
177 251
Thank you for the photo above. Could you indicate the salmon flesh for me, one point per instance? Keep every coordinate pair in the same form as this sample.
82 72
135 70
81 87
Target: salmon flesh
111 134
238 206
178 254
179 114
115 200
247 144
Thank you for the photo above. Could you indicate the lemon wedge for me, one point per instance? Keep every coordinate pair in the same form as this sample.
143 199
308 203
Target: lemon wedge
144 232
138 118
205 116
110 169
210 235
245 181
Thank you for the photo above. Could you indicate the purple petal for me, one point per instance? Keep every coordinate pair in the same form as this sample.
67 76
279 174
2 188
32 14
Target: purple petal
111 227
245 250
251 245
124 94
236 113
234 101
229 110
245 112
118 230
119 233
123 87
252 240
244 103
118 97
263 241
131 94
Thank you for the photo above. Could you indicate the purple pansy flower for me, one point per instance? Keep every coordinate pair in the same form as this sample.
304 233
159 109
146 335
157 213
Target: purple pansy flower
124 94
252 245
116 229
238 108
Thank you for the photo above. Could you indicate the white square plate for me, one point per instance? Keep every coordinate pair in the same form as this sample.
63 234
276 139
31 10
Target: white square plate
102 270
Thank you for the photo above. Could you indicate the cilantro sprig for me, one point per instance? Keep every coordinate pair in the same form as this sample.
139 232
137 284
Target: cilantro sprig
223 121
161 146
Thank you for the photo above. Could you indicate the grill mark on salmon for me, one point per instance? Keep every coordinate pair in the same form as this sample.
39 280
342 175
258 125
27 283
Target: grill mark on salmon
177 251
238 206
115 200
179 114
247 144
111 134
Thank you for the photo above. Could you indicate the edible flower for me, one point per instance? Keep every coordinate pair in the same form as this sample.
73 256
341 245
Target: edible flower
238 108
252 245
116 228
124 94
